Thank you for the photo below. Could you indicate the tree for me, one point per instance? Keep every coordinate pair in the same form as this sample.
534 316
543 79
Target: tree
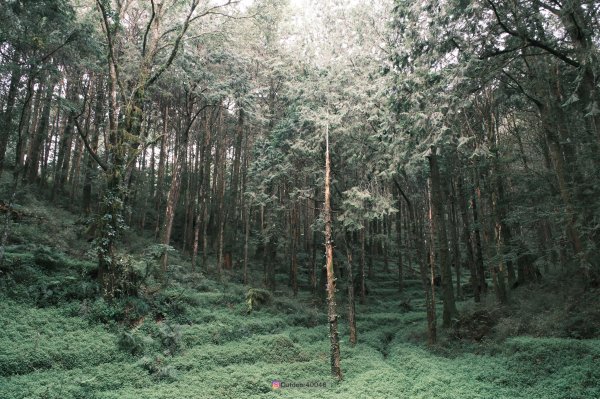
126 101
336 370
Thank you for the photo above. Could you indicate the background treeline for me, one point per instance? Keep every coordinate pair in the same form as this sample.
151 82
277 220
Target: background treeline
464 136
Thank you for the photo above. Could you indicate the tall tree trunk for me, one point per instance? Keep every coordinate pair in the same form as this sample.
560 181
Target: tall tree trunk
351 302
90 170
363 274
440 244
456 258
462 202
293 250
172 199
27 110
400 249
427 271
38 137
6 127
247 216
477 234
66 140
370 248
207 159
384 247
332 316
162 160
313 265
220 164
75 172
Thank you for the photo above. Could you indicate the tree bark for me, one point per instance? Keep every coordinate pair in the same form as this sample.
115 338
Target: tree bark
399 238
332 316
351 301
90 170
7 116
440 244
467 238
38 137
478 251
363 274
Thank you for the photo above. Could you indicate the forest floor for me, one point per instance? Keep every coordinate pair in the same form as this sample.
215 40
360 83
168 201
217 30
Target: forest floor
198 339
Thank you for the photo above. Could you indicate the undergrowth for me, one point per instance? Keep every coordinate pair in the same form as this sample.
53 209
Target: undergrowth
201 337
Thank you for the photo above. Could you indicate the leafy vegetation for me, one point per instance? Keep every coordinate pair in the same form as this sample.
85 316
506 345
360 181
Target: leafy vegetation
196 339
171 172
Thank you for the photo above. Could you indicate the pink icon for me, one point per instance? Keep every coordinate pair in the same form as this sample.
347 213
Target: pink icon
276 384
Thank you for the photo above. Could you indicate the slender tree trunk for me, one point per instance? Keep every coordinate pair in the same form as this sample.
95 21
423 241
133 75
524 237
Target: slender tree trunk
363 276
75 172
332 316
162 160
172 200
351 302
247 216
478 250
313 265
456 258
90 170
221 165
500 210
27 110
38 136
51 141
294 245
462 202
498 272
370 249
206 162
384 247
6 126
66 141
427 271
440 244
400 249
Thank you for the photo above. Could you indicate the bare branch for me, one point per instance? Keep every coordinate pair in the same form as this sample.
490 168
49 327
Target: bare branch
522 90
186 24
148 26
110 42
89 148
175 49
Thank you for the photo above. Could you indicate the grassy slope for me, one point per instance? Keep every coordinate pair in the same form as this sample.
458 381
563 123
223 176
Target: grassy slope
210 347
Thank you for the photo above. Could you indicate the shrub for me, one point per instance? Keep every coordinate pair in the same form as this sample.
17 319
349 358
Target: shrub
158 368
134 342
170 338
256 298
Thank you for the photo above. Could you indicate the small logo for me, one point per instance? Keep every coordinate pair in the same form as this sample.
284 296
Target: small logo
276 384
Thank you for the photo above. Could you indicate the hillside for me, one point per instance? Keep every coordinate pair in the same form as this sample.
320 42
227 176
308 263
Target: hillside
197 338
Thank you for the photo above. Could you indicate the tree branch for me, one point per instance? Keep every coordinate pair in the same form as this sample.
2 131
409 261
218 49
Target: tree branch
169 61
148 26
500 52
535 100
89 148
109 40
531 41
397 184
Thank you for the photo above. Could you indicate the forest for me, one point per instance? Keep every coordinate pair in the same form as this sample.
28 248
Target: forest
299 198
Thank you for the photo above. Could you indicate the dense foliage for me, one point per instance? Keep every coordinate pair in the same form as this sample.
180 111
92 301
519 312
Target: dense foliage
172 171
